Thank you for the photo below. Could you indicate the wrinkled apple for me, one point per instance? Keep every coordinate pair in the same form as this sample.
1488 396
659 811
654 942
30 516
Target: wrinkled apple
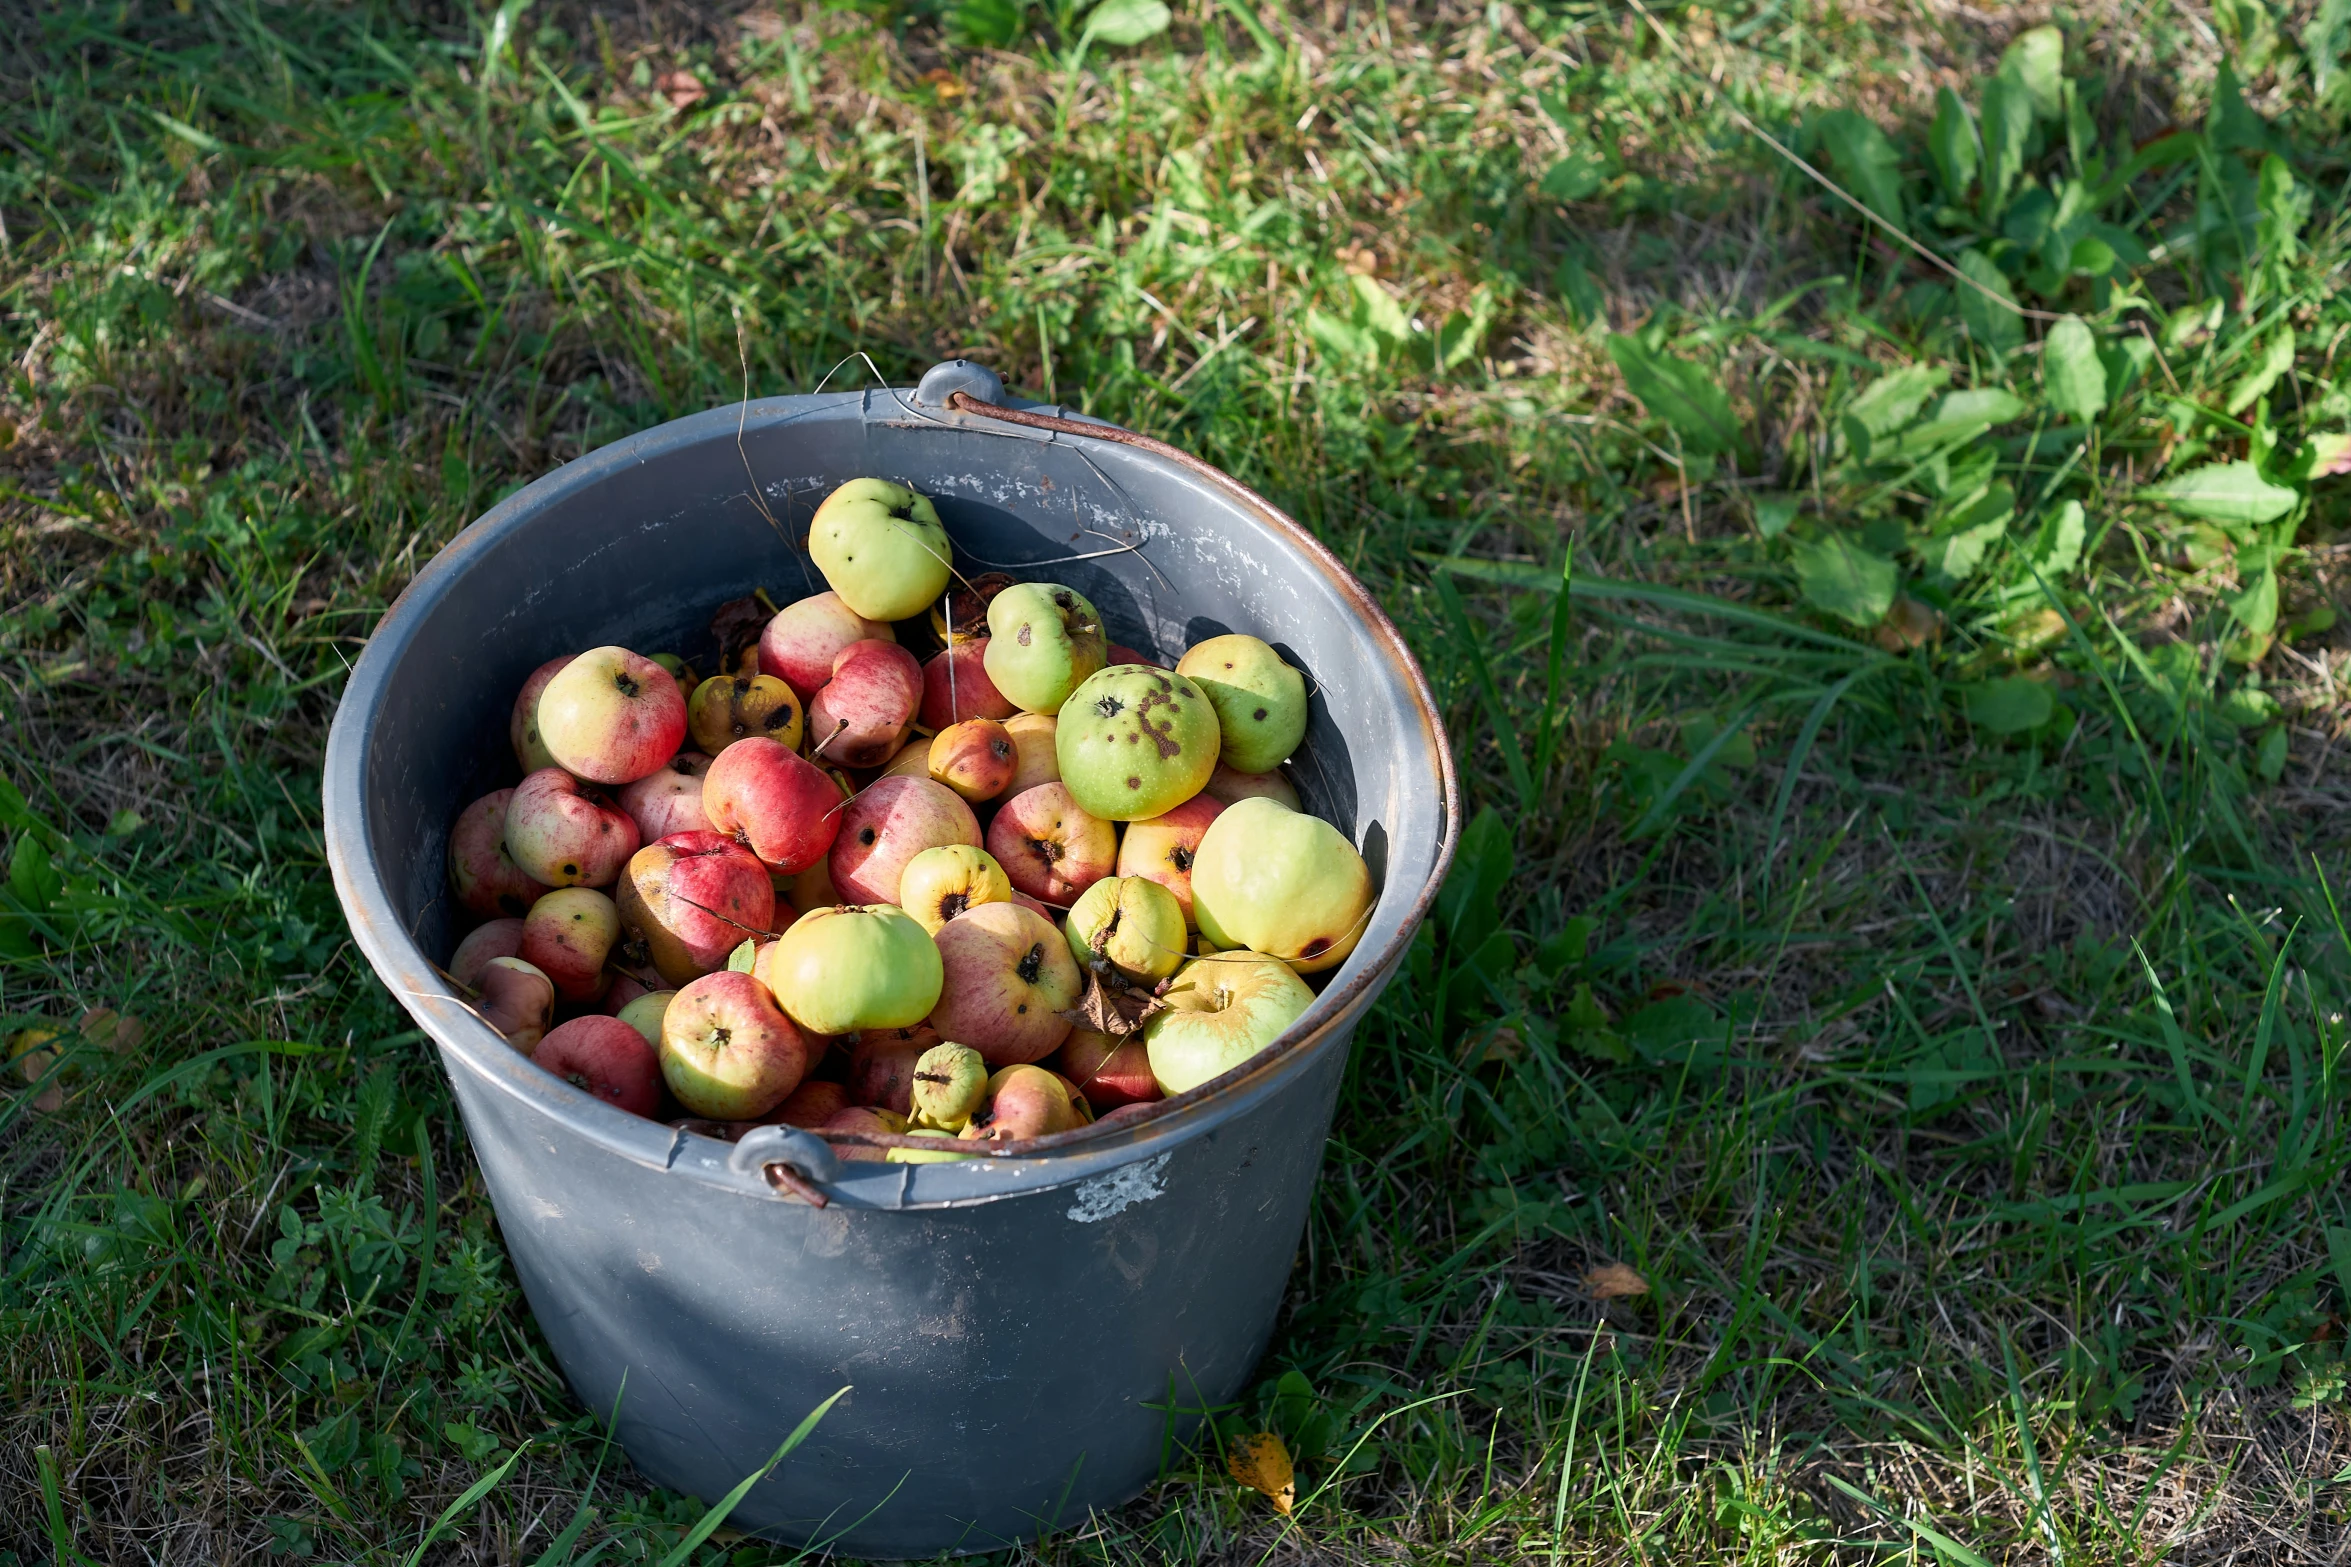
689 900
728 1051
611 716
605 1057
1134 925
498 939
1049 847
950 1081
516 1000
1006 978
1260 700
1135 742
890 822
881 548
569 936
801 642
1281 883
482 874
1220 1012
565 833
862 714
845 970
1044 640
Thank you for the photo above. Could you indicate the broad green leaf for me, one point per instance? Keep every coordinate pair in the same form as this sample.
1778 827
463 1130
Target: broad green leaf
2225 492
2036 62
1995 326
2125 360
986 24
2321 456
2008 131
31 875
2070 371
1682 394
2013 706
2269 755
2275 359
740 960
2059 548
1844 578
1773 513
1952 144
1377 308
1893 400
1871 168
1957 417
1125 22
1964 534
2255 605
1340 339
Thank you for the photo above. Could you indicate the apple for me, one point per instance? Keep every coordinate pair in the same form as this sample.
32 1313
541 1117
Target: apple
1034 905
845 970
1127 655
728 1051
566 833
949 1083
1280 882
860 715
809 1106
727 708
569 935
1006 978
1260 700
1032 737
1133 924
522 726
498 939
912 761
646 1012
688 901
890 822
810 889
781 807
975 758
611 716
1220 1011
881 548
1228 786
881 1067
1023 1102
1160 848
961 615
955 686
482 874
860 1118
1135 741
607 1058
940 883
1109 1071
1049 848
516 1000
625 986
945 1155
668 799
1043 641
683 673
801 642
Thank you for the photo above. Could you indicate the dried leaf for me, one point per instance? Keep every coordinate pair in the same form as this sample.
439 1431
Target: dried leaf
1112 1004
735 626
683 89
1909 624
1614 1281
112 1031
1262 1463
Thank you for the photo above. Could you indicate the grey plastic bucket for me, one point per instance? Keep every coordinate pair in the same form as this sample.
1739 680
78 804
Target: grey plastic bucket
1024 1338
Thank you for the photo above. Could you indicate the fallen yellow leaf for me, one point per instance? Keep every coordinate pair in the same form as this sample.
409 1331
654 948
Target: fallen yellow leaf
1262 1463
1614 1281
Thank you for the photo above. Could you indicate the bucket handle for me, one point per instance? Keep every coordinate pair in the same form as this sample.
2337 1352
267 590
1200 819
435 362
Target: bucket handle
792 1161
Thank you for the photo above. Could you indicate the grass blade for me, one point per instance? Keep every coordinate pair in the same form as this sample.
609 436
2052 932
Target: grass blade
1505 733
719 1512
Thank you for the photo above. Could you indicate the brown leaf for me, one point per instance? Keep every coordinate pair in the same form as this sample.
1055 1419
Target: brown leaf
1262 1463
735 627
1112 1004
1910 623
112 1031
682 88
948 86
1614 1281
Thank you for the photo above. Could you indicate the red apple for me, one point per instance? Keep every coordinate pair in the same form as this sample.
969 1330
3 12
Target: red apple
889 823
482 874
975 758
516 1000
1049 848
955 686
1006 978
810 1105
727 1050
861 714
1109 1071
1127 655
569 936
801 642
881 1068
522 726
498 939
566 833
626 988
688 901
607 1058
1024 1102
1160 848
669 798
612 716
783 809
860 1118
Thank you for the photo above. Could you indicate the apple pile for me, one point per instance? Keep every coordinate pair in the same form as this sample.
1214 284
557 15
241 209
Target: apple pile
973 898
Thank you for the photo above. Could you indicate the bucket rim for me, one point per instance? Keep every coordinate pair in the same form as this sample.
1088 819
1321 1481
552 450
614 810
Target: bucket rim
1036 1165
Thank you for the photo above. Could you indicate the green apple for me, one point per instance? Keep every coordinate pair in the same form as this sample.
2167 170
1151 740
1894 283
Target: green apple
1260 700
1220 1011
1135 742
1280 882
947 1154
840 971
881 548
1134 925
1043 641
949 1083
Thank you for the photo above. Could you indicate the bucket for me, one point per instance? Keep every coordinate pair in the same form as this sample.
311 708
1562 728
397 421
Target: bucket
1023 1338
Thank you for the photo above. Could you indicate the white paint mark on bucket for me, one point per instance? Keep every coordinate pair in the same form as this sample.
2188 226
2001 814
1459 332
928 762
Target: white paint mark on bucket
1121 1189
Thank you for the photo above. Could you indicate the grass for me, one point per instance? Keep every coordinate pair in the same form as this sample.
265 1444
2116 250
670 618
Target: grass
1872 1088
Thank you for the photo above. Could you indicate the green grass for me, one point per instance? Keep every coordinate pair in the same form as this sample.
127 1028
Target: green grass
1903 926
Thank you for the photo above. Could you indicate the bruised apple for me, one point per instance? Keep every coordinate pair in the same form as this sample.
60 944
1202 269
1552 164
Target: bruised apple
862 713
482 874
1049 847
801 642
1135 741
605 1057
565 833
975 758
890 822
1006 978
781 807
940 883
1043 641
727 708
880 547
516 1000
688 901
1135 926
1260 700
728 1051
